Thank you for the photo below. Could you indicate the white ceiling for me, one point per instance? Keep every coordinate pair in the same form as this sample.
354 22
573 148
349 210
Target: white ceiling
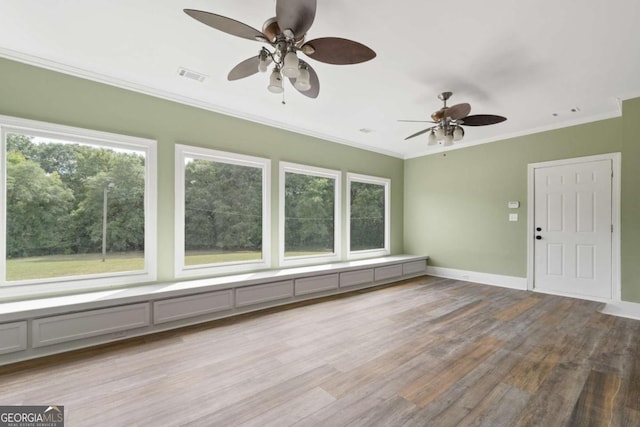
521 59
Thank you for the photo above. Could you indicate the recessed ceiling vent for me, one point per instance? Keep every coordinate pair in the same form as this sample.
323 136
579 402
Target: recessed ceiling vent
193 75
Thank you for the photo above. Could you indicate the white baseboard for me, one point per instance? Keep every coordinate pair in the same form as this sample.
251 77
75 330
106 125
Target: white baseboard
510 282
630 310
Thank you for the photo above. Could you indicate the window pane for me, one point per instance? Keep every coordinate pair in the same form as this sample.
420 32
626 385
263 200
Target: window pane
72 209
223 212
367 226
309 214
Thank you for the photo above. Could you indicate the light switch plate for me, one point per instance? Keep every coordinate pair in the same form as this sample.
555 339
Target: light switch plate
513 204
513 217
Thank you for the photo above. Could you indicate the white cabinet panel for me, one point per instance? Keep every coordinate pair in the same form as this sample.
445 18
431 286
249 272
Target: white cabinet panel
191 306
86 324
388 272
356 277
249 295
13 337
414 267
309 285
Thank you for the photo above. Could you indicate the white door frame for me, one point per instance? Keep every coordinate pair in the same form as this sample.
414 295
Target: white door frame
615 217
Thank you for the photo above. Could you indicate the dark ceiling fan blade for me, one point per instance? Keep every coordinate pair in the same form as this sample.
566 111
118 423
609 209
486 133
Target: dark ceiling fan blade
313 80
482 120
417 121
296 15
418 133
458 111
246 68
227 25
337 51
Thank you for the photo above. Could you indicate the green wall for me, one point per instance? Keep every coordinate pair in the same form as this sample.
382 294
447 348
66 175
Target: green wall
630 209
456 202
34 93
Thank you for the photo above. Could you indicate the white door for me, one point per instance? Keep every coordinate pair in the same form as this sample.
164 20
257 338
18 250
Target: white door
573 229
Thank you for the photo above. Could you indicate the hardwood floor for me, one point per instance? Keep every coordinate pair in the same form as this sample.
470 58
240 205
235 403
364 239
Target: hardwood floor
426 352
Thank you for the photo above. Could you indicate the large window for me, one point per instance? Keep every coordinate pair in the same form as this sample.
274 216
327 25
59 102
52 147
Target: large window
368 214
78 207
309 214
222 212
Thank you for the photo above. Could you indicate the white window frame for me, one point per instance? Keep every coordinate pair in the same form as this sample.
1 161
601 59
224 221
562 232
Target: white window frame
337 229
386 183
81 283
182 270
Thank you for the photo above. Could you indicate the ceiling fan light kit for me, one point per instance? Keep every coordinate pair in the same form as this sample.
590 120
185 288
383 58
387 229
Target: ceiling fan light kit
275 81
448 122
290 68
263 61
286 34
302 82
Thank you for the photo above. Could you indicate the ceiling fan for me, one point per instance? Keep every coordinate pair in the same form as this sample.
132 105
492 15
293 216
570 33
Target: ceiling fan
448 122
286 33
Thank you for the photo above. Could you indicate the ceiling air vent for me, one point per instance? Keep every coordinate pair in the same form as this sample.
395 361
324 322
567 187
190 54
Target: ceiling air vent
193 75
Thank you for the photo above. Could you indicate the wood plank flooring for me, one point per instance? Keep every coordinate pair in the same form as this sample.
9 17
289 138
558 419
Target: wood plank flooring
425 352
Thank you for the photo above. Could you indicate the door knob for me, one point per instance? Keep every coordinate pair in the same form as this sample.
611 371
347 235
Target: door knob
538 229
538 237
